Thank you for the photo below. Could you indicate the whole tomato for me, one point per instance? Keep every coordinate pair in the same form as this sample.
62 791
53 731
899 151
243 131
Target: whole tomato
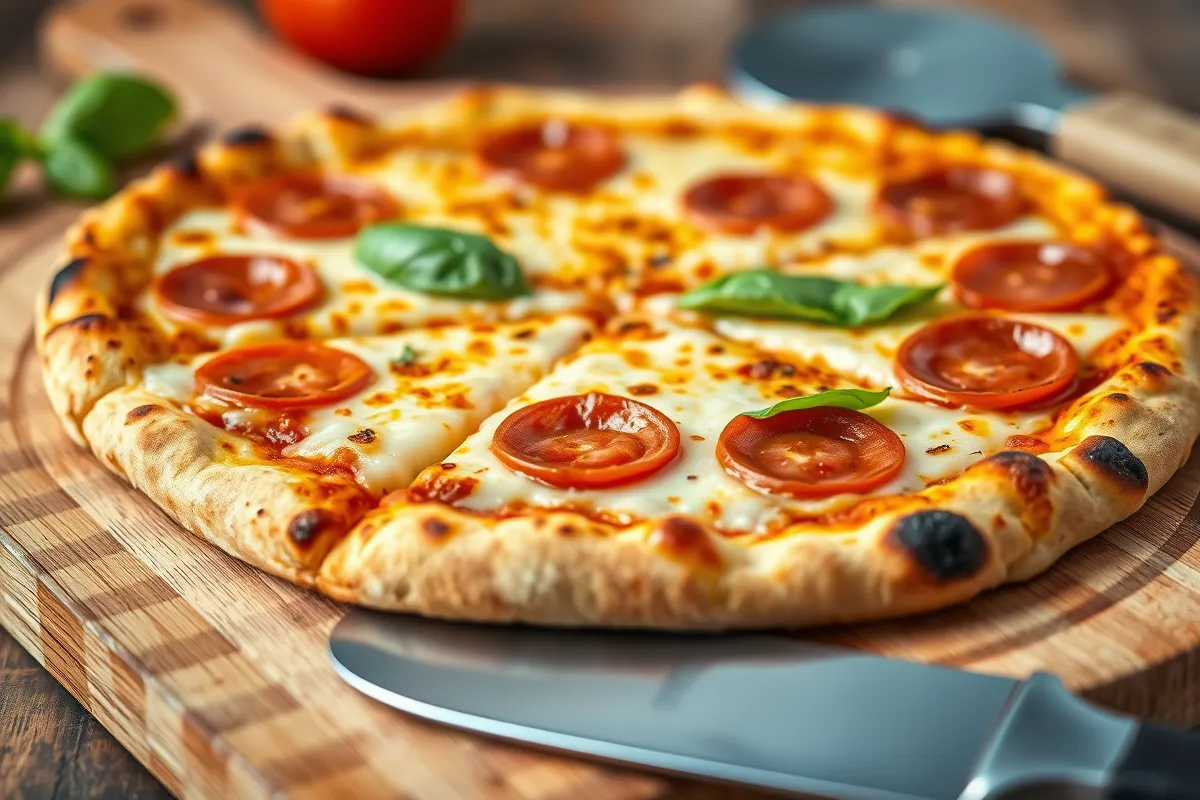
381 38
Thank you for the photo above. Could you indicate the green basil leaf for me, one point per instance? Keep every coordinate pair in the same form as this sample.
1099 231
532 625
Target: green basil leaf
440 262
75 169
12 150
407 357
767 293
856 399
118 115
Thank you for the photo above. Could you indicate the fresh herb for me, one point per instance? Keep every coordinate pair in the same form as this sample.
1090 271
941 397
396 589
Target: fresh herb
441 262
856 399
98 122
74 169
767 293
407 357
116 114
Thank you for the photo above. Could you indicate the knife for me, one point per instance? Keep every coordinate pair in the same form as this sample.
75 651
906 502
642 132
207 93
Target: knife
765 711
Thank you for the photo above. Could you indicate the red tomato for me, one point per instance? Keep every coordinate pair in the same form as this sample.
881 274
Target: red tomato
371 37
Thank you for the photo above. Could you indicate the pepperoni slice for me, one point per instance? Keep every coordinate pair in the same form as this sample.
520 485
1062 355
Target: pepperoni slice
586 441
223 290
950 200
554 155
283 375
1030 276
312 206
742 204
986 362
811 452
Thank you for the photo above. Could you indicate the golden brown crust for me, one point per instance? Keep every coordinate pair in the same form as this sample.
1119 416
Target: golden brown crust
281 520
1007 518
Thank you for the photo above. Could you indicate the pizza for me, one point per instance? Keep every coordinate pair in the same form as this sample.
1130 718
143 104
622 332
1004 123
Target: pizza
666 361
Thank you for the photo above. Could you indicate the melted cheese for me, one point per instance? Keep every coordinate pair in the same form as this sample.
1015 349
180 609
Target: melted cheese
696 382
411 416
356 301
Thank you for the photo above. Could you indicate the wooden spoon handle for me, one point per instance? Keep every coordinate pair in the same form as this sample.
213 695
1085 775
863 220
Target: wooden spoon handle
1138 145
213 58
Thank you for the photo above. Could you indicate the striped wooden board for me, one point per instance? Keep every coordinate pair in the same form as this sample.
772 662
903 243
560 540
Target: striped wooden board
216 676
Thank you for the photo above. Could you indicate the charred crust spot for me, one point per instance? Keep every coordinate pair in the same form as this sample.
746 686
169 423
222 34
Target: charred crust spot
139 412
65 277
945 545
1119 397
642 389
565 529
87 322
1152 370
345 113
1030 475
186 166
306 526
1114 460
247 134
365 436
436 529
686 540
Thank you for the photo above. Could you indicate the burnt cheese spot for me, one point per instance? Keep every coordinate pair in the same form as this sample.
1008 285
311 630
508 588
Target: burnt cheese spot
766 369
306 526
139 412
937 451
65 277
247 134
365 436
686 540
347 114
185 166
642 389
443 489
436 529
945 545
1112 458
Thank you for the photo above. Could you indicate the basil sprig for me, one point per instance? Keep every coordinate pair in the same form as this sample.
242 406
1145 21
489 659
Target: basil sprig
439 261
855 399
813 298
99 121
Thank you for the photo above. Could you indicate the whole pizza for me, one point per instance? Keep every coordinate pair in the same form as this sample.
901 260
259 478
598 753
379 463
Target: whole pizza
670 361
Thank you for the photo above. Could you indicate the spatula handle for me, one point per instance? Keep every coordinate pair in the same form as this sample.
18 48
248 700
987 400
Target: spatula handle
1136 144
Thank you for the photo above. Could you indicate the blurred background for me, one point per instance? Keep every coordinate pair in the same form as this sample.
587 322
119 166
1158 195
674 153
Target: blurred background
1152 46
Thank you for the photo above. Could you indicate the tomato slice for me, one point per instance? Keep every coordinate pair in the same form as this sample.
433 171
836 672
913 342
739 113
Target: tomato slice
223 290
742 204
1030 276
811 452
312 206
283 375
554 155
586 441
951 199
986 362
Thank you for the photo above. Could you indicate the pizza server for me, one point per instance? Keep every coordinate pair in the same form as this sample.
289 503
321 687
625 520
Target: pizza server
960 69
765 711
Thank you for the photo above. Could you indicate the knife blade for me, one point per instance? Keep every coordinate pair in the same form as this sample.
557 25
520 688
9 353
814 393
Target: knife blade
763 710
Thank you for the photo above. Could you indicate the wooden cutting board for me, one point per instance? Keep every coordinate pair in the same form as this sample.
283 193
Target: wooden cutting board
216 676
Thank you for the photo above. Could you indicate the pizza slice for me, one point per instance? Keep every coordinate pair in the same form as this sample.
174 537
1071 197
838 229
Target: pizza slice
272 451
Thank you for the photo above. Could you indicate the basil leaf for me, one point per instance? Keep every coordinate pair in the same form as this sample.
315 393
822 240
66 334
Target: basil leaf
440 262
407 357
117 114
855 399
12 150
767 293
73 168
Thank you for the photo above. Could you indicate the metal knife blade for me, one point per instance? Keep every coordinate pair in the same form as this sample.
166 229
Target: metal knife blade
747 708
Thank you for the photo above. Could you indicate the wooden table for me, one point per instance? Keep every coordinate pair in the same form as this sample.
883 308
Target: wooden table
49 745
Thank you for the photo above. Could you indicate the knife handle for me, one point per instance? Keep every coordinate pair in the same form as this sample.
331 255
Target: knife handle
1162 763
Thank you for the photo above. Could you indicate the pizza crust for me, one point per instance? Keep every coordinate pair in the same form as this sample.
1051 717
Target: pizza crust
280 520
1006 519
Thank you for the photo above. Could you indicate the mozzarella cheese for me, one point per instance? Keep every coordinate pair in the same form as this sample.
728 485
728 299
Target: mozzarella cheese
411 416
692 376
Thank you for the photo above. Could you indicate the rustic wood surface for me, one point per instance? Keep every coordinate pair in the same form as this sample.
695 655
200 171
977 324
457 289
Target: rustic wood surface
50 746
